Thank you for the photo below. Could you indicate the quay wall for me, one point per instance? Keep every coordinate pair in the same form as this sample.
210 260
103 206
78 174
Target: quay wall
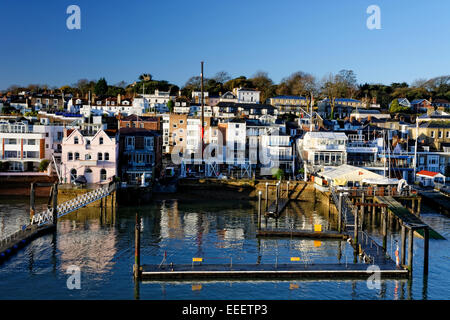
20 185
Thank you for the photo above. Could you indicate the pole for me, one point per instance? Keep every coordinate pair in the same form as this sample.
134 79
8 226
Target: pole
403 244
363 208
259 210
276 198
355 228
426 239
55 203
385 220
340 213
267 195
203 110
137 248
32 201
410 249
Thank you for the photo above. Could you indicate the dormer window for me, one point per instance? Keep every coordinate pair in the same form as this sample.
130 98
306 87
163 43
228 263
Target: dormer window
75 140
101 140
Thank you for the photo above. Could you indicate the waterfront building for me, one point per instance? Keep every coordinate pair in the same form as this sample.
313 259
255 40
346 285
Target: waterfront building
23 145
360 114
140 158
91 154
429 178
403 102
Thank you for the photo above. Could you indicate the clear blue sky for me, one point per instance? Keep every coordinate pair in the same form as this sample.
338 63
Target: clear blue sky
119 40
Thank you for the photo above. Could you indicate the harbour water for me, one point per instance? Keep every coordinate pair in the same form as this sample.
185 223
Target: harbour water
102 246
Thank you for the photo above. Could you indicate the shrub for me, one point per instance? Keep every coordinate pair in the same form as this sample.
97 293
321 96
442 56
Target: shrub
44 165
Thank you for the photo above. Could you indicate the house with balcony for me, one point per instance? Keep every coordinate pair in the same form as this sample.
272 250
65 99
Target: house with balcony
288 104
90 154
318 149
140 158
23 145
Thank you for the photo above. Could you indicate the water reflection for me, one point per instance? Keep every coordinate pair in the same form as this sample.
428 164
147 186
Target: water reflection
217 231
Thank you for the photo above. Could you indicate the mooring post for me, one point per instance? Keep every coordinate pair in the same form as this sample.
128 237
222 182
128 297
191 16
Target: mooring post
340 212
32 202
356 226
419 200
410 249
385 221
137 248
363 208
55 204
403 244
259 210
276 198
287 191
413 206
267 195
426 240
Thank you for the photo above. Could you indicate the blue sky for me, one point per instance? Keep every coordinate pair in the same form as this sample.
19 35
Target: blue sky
119 40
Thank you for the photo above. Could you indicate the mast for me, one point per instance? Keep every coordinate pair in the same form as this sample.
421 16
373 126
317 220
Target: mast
203 109
415 149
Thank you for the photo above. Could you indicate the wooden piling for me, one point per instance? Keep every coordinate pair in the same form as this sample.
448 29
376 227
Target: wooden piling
259 210
267 195
419 200
426 239
55 204
137 248
276 198
385 221
340 213
403 245
355 229
32 201
410 249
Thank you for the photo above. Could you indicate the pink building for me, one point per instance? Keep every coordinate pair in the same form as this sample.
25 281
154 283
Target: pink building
93 155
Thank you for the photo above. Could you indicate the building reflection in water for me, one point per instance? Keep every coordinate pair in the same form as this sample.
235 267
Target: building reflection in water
84 241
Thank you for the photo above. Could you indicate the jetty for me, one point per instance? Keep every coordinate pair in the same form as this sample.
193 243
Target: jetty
44 222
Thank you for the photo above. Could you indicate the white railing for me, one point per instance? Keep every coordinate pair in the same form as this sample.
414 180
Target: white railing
72 205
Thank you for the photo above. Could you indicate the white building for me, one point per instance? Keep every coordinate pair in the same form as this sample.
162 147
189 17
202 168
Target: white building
158 100
245 95
24 145
323 148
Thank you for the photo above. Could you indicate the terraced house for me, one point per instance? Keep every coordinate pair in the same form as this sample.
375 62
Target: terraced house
92 155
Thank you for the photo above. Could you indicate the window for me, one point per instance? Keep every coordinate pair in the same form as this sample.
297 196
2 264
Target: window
432 134
75 140
447 134
70 156
101 140
88 170
106 156
87 156
11 141
77 156
99 156
440 134
103 174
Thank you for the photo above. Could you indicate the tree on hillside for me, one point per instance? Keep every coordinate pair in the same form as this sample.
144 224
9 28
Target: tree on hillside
263 83
222 77
101 87
170 105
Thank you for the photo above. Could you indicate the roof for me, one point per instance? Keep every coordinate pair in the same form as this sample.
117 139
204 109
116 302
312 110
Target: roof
133 117
429 174
344 173
327 135
435 124
289 97
417 101
137 132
